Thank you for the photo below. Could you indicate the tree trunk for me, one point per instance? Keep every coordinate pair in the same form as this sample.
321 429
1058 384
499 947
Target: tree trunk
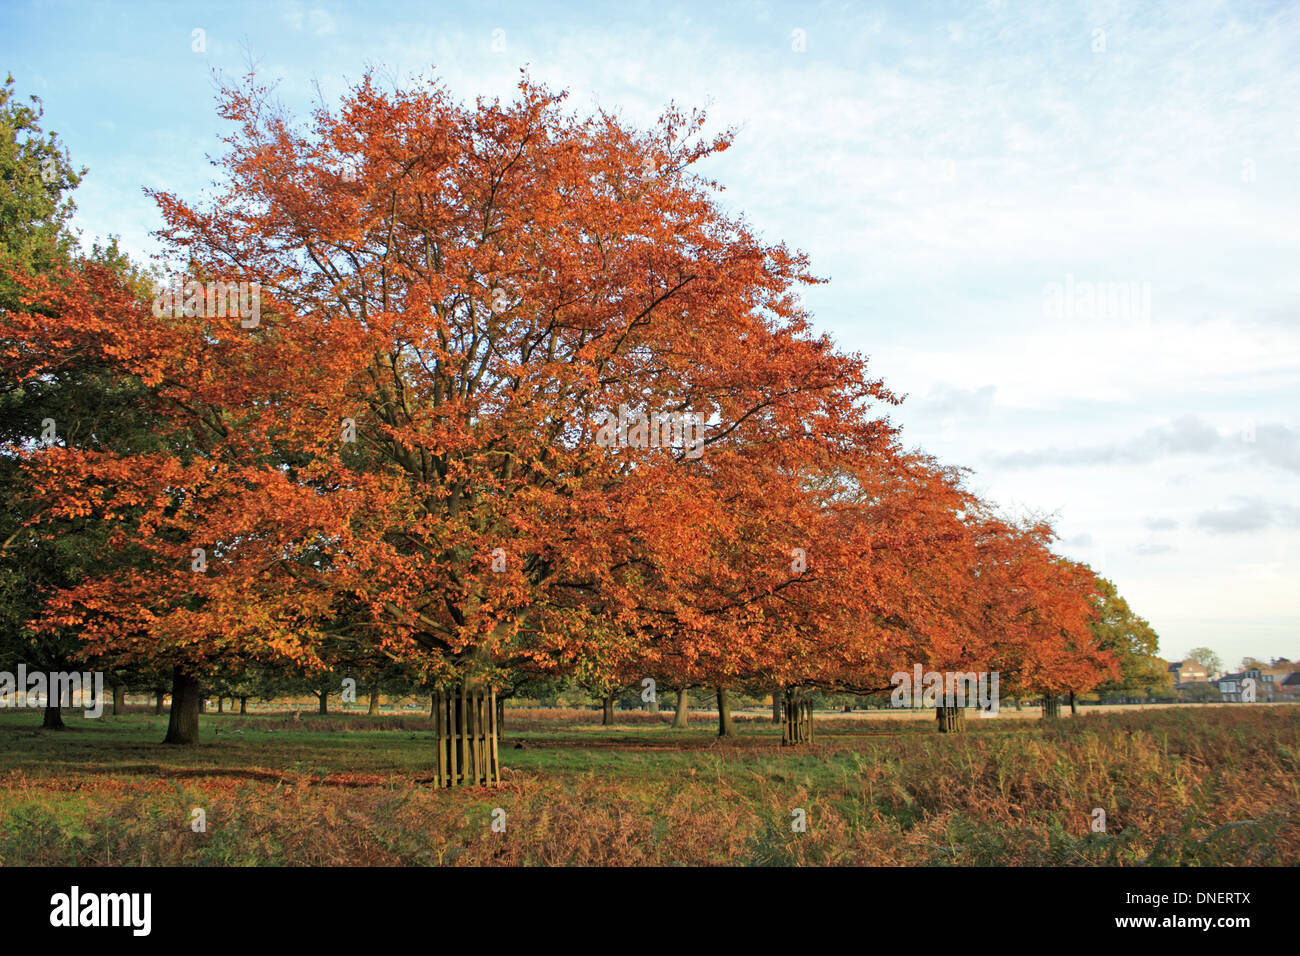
158 702
725 727
796 717
324 697
243 705
777 696
1074 707
183 723
374 702
951 720
501 718
607 718
119 699
53 715
433 706
1016 701
221 704
682 717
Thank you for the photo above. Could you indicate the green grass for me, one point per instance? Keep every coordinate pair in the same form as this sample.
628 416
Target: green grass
1179 786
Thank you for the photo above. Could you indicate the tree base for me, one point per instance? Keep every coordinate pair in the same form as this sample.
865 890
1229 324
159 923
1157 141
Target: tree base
950 720
796 718
465 730
681 718
183 722
53 719
726 728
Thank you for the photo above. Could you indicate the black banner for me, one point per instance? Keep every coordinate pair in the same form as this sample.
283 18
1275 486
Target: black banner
340 906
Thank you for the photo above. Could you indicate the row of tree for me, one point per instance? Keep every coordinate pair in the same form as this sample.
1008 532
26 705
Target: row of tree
365 437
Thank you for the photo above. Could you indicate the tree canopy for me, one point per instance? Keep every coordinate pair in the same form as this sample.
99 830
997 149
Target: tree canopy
364 425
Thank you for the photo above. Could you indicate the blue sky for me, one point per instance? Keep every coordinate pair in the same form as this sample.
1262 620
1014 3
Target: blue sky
950 167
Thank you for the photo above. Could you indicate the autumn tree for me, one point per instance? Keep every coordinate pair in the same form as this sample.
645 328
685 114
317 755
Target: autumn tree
1207 659
399 448
495 389
52 393
1131 639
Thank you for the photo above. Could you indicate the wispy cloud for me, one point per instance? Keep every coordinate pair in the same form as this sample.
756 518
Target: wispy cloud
1250 515
1152 548
1272 444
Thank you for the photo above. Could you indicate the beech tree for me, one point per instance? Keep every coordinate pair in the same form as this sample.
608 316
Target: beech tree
481 390
462 291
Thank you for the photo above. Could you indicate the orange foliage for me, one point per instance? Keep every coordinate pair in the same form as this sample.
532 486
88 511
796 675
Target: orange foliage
468 289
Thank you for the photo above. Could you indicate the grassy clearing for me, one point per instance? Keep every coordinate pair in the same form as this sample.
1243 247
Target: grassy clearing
1179 786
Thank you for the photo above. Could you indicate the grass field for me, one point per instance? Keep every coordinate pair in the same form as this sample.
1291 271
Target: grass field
1180 785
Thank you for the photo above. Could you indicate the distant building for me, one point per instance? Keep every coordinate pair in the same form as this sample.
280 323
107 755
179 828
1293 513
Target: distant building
1233 686
1188 672
1291 686
1275 687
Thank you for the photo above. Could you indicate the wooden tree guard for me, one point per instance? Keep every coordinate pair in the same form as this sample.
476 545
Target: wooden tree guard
465 731
796 718
951 720
1051 707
